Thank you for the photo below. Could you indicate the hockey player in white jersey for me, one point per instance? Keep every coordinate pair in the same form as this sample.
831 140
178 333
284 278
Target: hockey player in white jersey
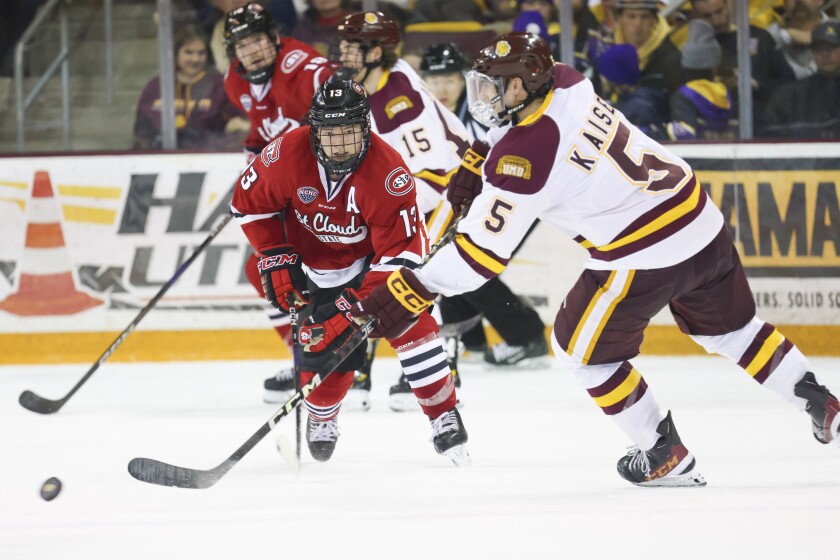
563 155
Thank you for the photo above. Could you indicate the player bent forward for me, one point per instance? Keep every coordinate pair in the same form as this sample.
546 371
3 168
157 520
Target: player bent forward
566 157
351 219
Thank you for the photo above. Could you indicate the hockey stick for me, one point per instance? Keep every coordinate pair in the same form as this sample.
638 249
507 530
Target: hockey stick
293 319
41 405
164 474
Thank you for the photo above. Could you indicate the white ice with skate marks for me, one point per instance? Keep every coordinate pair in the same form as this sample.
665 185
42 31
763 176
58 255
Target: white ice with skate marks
542 482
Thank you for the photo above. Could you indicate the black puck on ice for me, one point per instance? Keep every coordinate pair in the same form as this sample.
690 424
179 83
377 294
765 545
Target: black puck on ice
50 489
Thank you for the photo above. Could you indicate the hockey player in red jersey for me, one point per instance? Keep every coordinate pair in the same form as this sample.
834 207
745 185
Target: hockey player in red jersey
272 80
350 220
561 154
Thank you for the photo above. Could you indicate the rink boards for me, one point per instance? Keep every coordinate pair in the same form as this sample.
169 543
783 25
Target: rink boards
78 263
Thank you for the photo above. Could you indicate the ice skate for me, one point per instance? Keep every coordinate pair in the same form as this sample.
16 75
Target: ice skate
321 437
401 398
667 463
822 406
358 396
504 354
279 388
449 436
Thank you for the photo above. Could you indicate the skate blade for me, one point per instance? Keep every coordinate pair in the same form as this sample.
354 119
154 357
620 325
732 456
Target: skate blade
538 362
403 402
678 480
276 397
356 400
459 455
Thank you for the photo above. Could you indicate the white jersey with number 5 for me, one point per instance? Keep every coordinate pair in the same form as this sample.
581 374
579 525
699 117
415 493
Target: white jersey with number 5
580 166
428 136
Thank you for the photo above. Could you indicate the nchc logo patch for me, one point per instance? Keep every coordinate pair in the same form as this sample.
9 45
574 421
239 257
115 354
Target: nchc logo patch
399 182
246 101
514 166
307 194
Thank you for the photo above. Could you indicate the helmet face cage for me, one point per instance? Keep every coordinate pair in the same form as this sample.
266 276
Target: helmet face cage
252 38
485 98
340 126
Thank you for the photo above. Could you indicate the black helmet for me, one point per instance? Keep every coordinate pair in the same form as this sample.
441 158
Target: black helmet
442 59
340 102
246 21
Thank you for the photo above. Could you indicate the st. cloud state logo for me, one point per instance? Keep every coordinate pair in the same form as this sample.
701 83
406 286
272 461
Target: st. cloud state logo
399 182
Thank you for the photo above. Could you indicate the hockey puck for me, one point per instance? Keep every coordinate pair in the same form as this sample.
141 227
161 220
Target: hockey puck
50 489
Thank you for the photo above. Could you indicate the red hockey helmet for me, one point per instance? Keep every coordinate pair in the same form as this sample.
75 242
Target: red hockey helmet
513 55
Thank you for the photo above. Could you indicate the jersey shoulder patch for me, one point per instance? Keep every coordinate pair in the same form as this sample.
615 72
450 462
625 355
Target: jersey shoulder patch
522 159
395 104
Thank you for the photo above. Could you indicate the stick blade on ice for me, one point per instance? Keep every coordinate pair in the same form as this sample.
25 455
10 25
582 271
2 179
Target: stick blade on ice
164 474
33 402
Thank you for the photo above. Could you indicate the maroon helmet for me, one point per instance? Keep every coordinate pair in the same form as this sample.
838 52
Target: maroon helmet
370 28
512 55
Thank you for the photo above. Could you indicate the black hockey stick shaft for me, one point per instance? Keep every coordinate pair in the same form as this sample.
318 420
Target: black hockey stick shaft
164 474
293 319
41 405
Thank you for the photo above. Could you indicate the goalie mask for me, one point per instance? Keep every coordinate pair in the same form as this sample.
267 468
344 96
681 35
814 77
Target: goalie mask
252 38
358 35
340 126
512 55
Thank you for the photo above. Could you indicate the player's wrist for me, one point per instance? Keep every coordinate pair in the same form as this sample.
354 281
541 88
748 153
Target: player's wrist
409 291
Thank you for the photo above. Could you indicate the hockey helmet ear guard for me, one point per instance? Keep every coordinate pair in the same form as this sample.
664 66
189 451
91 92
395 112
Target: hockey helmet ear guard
340 126
247 21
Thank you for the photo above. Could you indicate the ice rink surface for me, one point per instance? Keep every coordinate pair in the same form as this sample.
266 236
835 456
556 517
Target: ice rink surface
542 485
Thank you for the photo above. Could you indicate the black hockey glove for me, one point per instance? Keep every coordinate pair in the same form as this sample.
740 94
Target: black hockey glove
283 279
465 184
396 304
328 329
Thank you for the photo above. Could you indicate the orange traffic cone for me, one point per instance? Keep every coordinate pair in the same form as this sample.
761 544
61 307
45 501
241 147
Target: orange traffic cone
45 282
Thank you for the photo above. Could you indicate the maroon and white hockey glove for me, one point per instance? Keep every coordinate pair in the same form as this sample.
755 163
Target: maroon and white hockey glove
465 184
328 329
283 279
396 304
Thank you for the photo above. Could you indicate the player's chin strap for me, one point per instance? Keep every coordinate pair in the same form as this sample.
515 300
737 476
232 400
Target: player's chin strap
513 112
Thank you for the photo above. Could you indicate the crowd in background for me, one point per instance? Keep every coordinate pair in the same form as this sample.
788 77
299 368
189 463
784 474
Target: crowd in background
675 77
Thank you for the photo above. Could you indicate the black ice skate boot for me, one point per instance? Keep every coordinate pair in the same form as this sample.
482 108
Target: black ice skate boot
504 354
280 387
321 437
667 463
822 406
358 396
449 436
400 396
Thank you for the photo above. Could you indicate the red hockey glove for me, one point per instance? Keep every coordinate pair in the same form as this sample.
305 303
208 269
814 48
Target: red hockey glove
330 326
465 184
283 278
395 304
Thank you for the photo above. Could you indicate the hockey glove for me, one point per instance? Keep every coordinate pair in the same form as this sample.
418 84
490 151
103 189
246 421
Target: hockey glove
330 326
465 184
396 304
283 279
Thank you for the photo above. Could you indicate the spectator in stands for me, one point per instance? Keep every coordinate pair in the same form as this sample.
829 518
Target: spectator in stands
318 26
702 107
769 69
793 35
629 92
640 25
810 108
204 118
442 68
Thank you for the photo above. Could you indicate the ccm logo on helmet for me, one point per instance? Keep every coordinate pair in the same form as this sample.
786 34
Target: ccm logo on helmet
334 115
292 61
399 182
